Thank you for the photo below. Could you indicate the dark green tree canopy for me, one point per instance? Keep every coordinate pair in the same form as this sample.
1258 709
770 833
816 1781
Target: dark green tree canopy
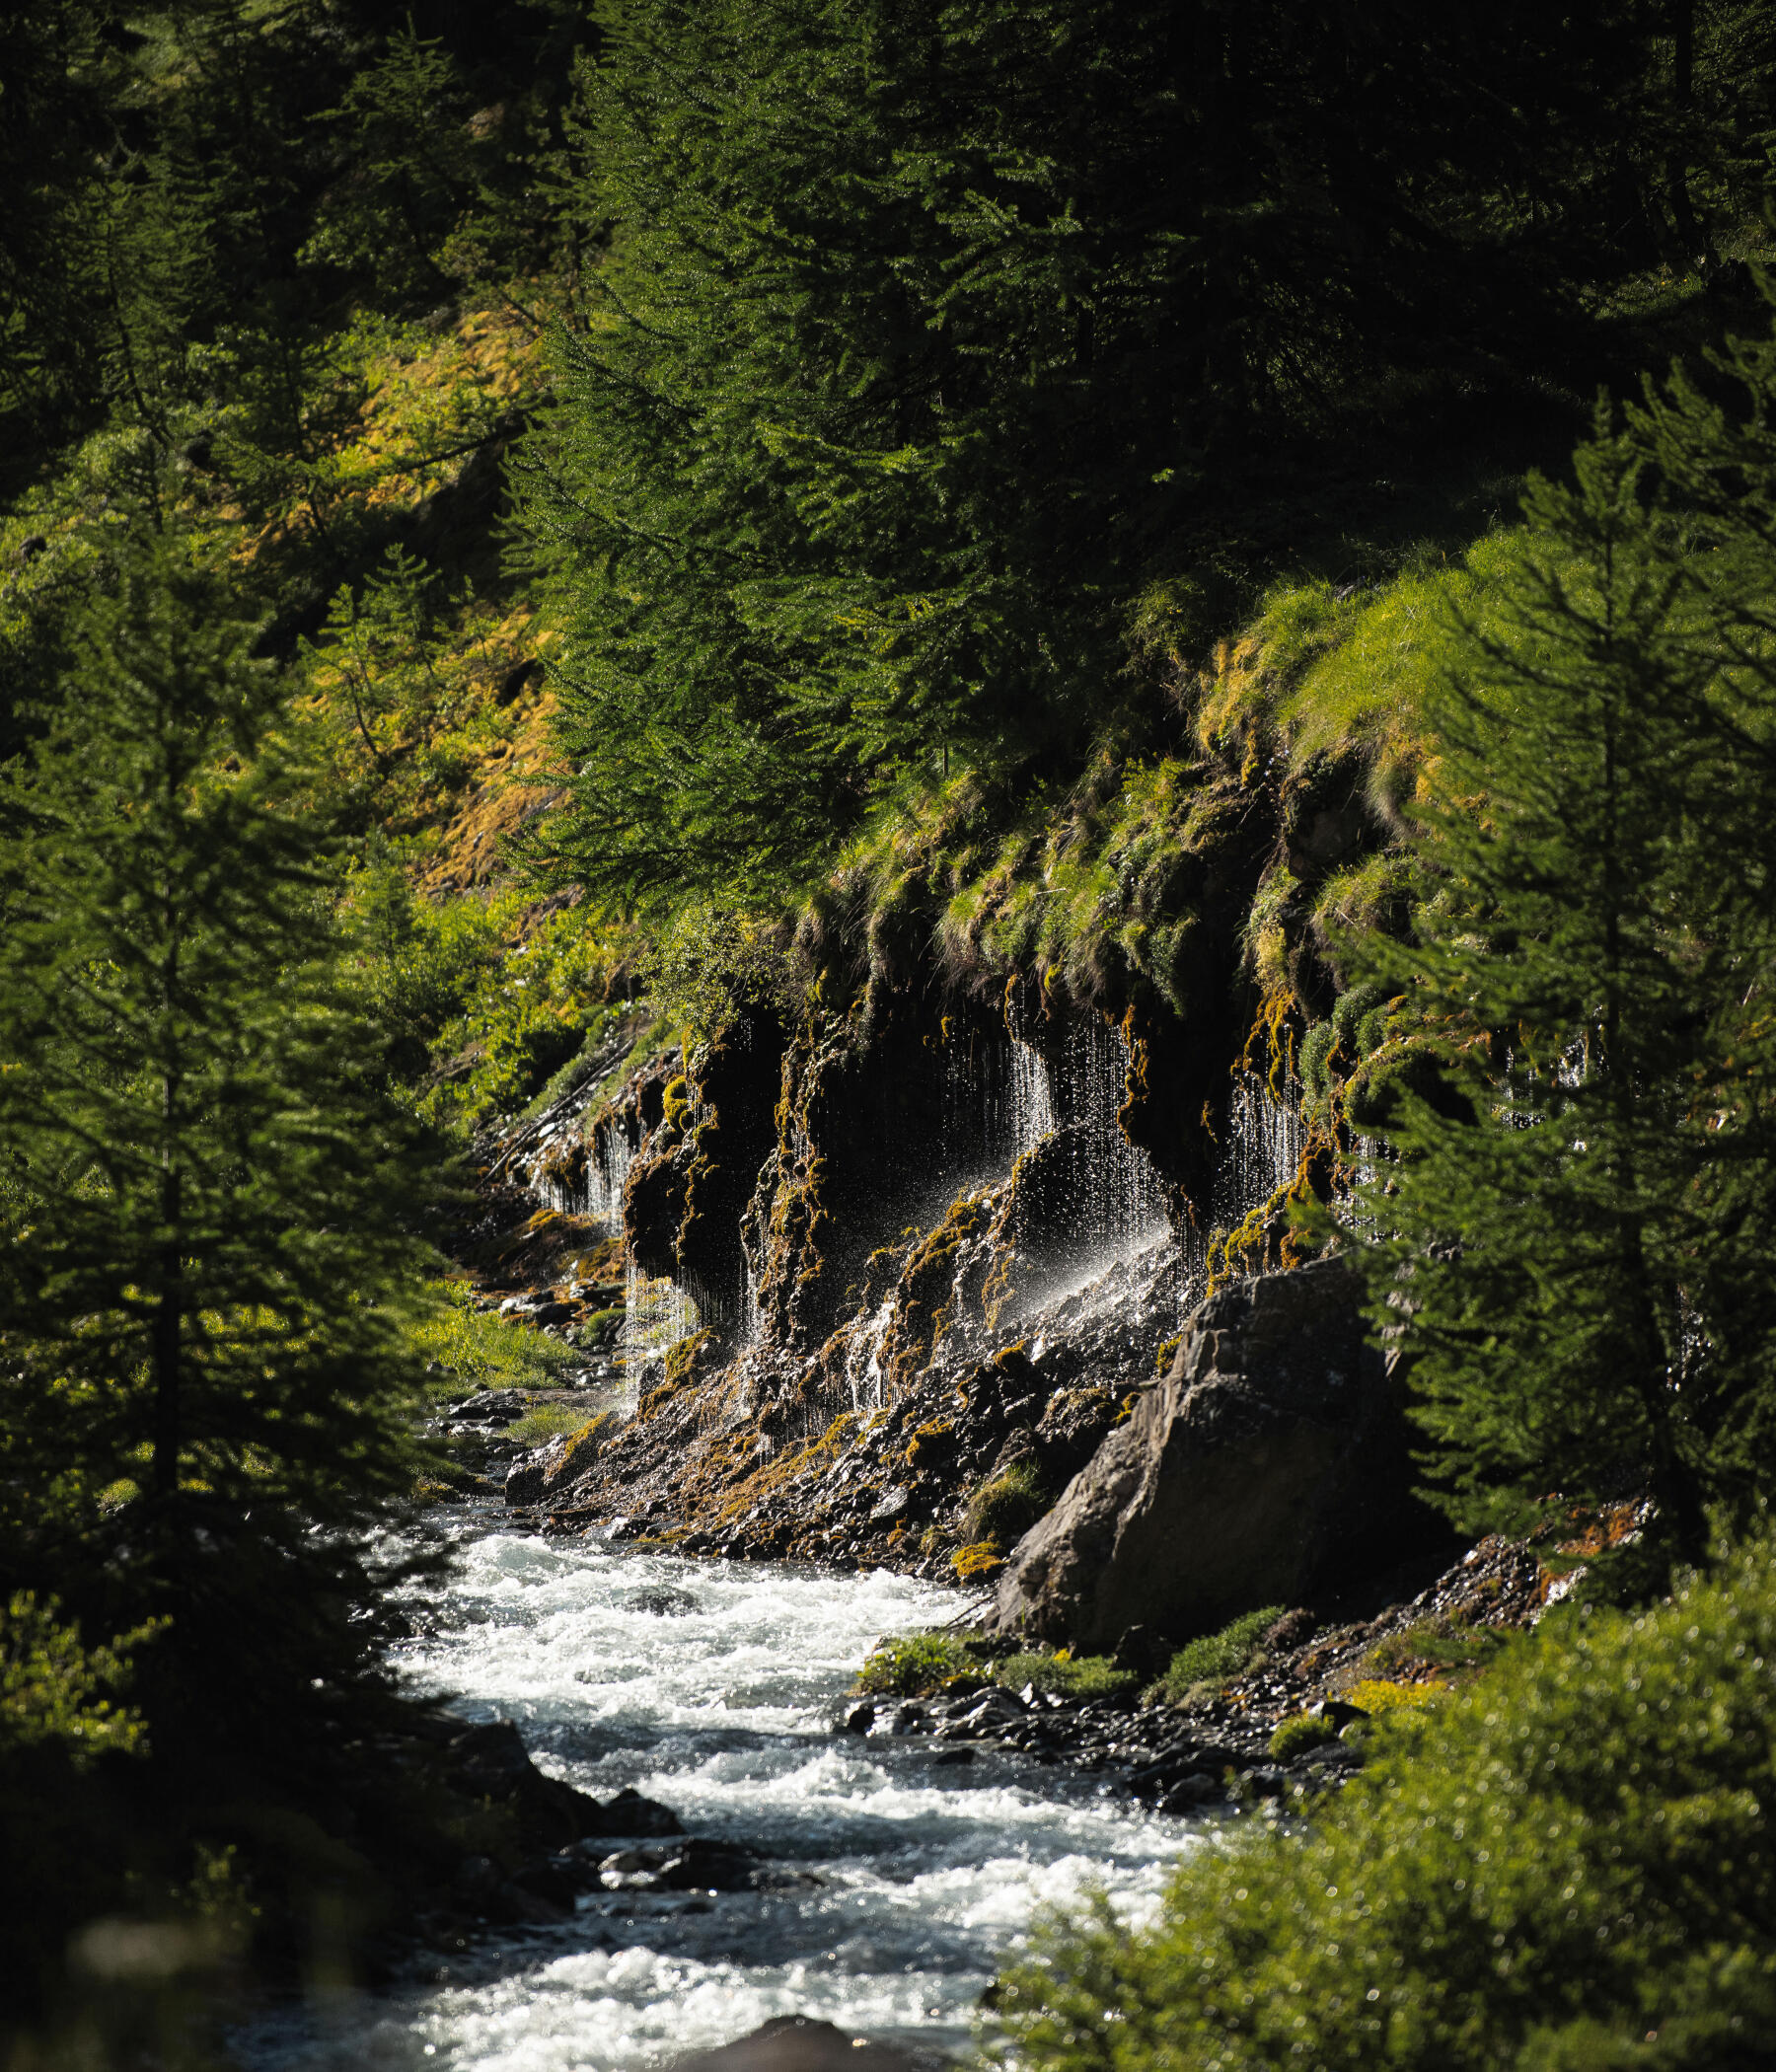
212 1204
925 335
1574 1241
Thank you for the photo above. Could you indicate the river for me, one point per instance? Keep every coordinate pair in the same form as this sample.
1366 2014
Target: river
712 1687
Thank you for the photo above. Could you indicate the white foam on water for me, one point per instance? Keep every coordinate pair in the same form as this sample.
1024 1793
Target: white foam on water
712 1688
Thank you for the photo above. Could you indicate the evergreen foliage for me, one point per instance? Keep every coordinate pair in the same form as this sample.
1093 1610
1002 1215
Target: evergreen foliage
1574 1240
212 1211
927 336
1567 1866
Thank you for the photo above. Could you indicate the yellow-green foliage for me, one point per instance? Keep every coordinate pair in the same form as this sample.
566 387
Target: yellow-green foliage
914 1665
1331 672
1295 1736
476 1349
545 1421
52 1690
1378 1695
531 1013
1567 1866
981 1559
1101 876
1067 1675
1216 1658
712 963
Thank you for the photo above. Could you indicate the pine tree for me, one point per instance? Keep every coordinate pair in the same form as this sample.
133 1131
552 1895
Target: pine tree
1578 1225
925 335
213 1204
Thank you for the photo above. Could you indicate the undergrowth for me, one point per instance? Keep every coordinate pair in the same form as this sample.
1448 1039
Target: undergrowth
915 1665
1567 1866
1065 1675
466 1349
1215 1658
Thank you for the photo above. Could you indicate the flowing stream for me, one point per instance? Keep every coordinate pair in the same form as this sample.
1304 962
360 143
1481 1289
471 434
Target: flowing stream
712 1687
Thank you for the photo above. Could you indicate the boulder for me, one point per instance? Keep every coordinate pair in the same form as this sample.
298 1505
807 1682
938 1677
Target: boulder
798 2044
489 1762
1274 1456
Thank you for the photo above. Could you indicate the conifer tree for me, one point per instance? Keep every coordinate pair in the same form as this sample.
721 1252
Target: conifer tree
1577 1229
211 1204
926 334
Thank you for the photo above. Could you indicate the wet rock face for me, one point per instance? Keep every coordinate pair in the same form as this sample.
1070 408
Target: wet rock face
1272 1459
736 1076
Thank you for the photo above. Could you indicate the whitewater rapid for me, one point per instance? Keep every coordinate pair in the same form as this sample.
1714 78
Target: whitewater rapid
712 1687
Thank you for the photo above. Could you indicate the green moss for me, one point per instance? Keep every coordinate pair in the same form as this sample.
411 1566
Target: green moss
1004 1509
1216 1658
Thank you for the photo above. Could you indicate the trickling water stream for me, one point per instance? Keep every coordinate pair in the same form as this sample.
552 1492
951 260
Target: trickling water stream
928 1874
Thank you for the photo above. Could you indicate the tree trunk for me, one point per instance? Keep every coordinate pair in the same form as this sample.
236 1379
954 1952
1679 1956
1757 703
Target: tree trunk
168 1318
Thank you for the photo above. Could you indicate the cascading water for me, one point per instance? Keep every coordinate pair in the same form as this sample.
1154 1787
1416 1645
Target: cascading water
1122 1201
608 1157
657 1314
1266 1140
710 1687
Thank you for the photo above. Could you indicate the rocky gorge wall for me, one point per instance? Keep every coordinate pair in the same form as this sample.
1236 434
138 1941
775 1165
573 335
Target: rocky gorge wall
895 1275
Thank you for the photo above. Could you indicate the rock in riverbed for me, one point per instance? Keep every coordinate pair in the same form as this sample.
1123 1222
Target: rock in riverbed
797 2043
1273 1457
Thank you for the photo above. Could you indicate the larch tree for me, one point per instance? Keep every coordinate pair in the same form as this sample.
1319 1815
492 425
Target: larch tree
1574 1235
214 1208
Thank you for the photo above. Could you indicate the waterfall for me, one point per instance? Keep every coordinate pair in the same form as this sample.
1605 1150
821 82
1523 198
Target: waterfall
1266 1139
658 1314
863 1359
1032 1099
1125 1201
609 1156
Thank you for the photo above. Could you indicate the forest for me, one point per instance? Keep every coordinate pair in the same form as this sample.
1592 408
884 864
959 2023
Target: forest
540 535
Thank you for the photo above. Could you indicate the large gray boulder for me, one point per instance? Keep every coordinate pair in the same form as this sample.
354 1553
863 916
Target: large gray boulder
1272 1458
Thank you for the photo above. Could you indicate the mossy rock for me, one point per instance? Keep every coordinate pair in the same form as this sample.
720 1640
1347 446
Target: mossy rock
933 1443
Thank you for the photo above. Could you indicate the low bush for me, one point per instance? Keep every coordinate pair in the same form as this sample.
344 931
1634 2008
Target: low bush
1216 1658
543 1422
1295 1737
915 1665
1376 1695
1084 1676
1568 1865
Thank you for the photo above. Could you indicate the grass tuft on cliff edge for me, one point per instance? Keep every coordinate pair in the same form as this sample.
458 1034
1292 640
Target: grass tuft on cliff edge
1569 1865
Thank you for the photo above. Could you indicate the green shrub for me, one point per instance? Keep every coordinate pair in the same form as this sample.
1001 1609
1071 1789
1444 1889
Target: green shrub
1088 1677
1004 1509
471 1349
1216 1658
1295 1737
55 1690
915 1665
1570 1864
